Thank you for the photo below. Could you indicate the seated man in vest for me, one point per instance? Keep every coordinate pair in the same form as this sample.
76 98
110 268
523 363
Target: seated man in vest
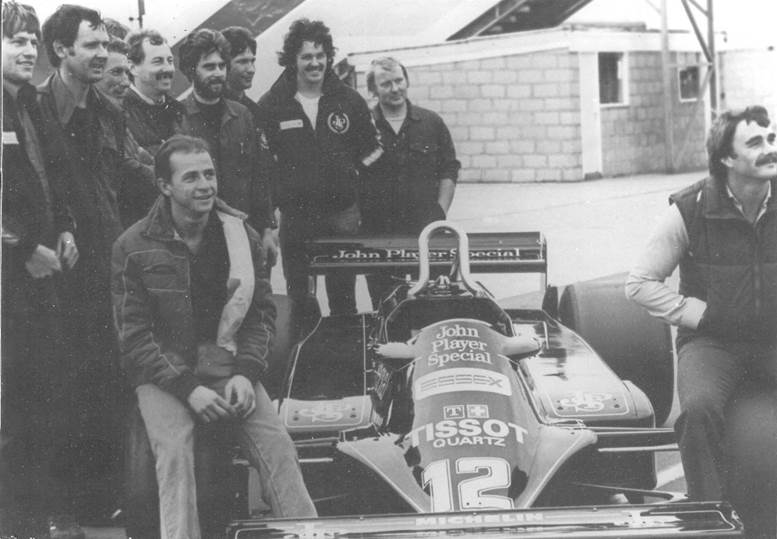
195 321
722 232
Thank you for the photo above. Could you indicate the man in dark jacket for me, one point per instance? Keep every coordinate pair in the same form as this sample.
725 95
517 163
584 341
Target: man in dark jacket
137 189
722 232
228 127
38 245
195 323
85 154
322 136
413 183
153 114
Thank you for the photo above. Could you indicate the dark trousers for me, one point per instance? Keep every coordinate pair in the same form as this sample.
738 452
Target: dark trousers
709 372
298 226
35 416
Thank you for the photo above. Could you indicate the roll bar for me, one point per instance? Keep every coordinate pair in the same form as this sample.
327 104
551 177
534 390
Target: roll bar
460 262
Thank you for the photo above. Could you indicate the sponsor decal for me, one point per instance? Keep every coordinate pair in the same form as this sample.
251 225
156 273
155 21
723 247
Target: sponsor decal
338 122
478 411
585 402
450 345
411 255
349 411
468 431
453 380
482 518
456 411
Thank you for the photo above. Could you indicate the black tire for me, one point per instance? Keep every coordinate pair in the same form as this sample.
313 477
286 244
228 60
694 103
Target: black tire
637 346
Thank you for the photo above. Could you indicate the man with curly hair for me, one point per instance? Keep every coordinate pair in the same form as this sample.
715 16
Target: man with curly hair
228 127
322 136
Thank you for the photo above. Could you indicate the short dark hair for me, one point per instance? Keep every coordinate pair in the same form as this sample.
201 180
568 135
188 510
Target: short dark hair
201 43
115 28
176 144
135 40
303 30
63 26
239 39
721 136
118 46
19 18
384 62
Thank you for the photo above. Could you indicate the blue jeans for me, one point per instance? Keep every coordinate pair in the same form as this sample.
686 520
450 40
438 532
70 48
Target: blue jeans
262 436
709 372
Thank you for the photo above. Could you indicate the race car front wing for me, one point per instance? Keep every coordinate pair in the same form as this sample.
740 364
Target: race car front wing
632 521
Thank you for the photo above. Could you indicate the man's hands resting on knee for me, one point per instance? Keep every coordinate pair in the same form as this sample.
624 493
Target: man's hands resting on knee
209 406
240 393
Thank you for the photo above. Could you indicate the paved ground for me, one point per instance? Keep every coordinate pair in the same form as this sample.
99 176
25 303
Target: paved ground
593 229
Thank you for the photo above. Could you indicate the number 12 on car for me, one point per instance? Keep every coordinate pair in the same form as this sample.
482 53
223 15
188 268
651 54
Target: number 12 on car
493 473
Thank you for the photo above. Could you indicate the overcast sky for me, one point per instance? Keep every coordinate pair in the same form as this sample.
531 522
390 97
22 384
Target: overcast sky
750 19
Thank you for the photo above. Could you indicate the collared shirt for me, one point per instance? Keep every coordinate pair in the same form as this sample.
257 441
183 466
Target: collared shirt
209 271
738 205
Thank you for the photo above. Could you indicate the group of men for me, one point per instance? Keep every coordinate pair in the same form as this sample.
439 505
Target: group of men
140 226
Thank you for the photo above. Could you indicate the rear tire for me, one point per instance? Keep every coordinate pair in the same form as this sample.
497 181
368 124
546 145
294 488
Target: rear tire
637 346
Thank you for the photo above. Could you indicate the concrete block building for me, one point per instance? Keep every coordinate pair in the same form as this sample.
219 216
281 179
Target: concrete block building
559 105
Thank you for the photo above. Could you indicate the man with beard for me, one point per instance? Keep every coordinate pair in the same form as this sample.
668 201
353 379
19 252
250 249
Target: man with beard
322 136
137 191
722 232
228 127
85 154
153 116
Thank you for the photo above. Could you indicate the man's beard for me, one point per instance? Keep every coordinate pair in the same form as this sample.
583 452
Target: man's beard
204 89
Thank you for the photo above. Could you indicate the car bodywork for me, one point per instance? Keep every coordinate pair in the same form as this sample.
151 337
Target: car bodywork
445 414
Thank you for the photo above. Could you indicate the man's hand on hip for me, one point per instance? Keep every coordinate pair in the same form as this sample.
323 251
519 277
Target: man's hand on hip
208 405
240 393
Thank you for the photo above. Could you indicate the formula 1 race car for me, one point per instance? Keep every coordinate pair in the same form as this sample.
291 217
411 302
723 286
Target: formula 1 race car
446 414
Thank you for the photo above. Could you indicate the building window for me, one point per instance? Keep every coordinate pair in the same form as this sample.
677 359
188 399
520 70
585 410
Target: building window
690 88
612 78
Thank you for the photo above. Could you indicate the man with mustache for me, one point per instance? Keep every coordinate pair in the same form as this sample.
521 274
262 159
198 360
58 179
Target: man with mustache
228 127
153 116
195 322
136 190
322 136
85 154
722 232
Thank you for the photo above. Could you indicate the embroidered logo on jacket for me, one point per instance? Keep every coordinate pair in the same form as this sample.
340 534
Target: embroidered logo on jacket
338 122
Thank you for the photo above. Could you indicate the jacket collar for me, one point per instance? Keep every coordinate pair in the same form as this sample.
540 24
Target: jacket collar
412 112
286 84
721 204
64 100
191 106
159 221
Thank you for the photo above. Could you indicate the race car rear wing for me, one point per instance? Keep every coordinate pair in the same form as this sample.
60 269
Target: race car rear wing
661 520
489 252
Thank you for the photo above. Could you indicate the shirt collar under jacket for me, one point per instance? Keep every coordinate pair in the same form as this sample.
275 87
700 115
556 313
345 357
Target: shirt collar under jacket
738 205
145 98
65 101
412 112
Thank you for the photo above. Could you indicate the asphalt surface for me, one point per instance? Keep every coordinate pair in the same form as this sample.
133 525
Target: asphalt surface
593 229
